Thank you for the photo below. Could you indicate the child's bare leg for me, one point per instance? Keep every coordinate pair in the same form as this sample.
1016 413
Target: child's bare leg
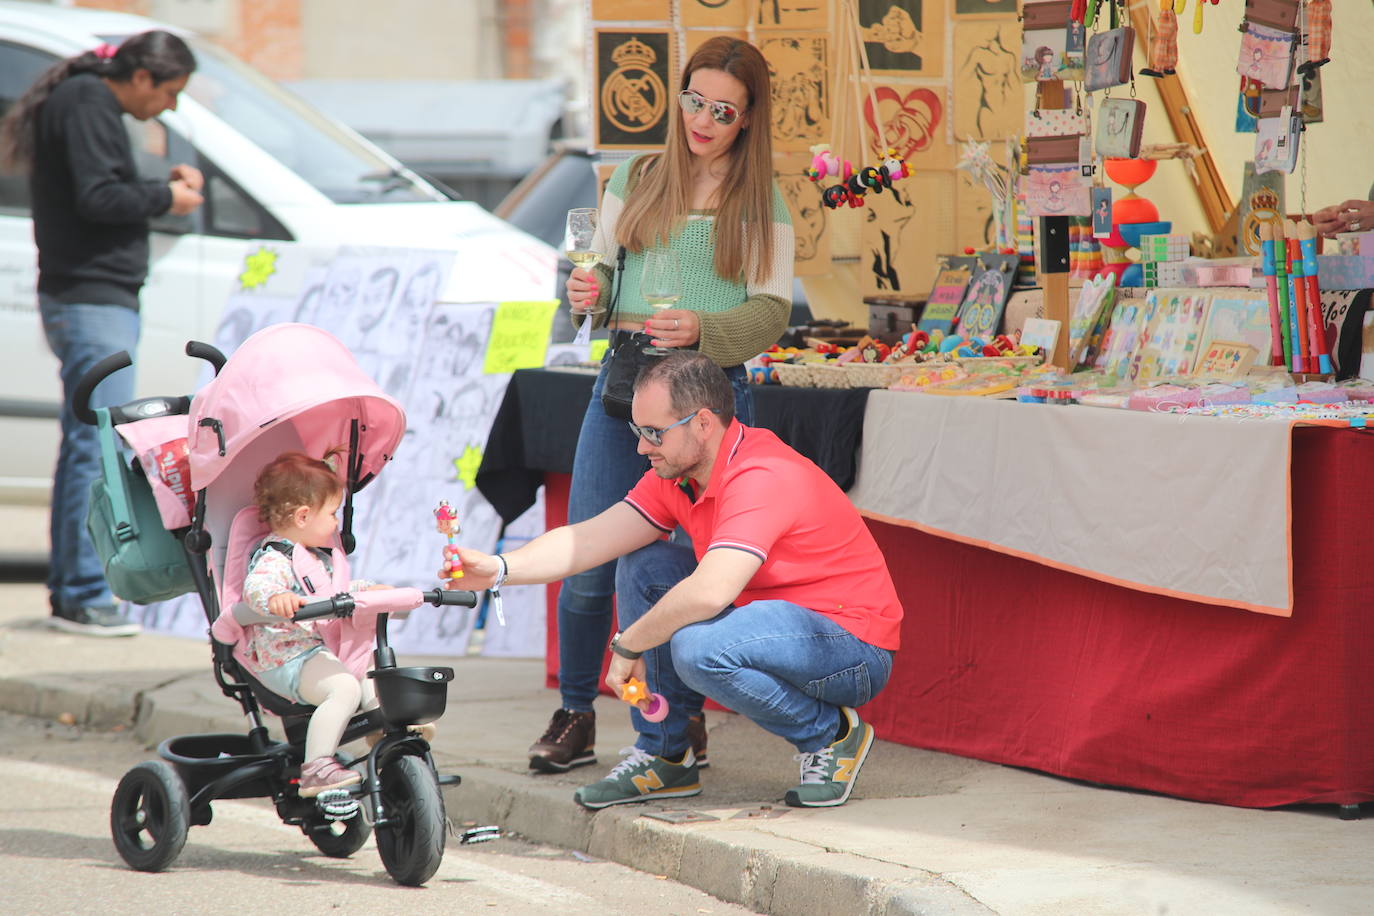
332 688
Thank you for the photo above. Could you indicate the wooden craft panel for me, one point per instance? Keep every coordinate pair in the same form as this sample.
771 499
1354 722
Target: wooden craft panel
987 89
810 218
792 14
631 10
797 63
715 14
904 37
635 70
903 231
911 120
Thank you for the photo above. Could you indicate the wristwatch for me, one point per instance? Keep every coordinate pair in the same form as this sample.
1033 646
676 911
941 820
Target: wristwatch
620 650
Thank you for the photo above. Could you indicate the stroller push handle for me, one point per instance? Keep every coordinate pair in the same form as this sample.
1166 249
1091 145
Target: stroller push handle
81 397
208 352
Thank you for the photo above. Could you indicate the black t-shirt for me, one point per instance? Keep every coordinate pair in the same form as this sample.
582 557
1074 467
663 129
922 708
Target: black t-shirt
90 208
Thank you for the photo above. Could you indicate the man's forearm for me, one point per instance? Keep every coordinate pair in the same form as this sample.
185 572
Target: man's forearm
683 605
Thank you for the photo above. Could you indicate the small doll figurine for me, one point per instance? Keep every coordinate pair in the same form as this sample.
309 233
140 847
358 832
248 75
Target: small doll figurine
446 521
1164 42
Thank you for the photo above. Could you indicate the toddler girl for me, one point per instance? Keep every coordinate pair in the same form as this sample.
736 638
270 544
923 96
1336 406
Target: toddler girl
297 497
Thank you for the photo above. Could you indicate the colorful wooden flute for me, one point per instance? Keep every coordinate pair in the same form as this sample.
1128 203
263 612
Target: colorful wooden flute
1297 293
1316 335
1277 331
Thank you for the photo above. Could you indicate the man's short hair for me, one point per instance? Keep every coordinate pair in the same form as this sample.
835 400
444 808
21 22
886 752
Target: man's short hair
693 382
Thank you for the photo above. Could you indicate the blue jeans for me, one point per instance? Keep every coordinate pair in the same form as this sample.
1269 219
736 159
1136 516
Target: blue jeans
80 336
605 468
787 668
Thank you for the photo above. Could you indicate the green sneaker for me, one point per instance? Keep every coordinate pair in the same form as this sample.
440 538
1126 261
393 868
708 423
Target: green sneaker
828 775
640 777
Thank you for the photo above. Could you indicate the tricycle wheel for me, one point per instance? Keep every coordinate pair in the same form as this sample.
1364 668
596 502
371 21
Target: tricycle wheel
342 844
150 815
412 844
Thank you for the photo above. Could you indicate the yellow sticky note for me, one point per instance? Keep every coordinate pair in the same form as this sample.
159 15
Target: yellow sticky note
519 336
598 350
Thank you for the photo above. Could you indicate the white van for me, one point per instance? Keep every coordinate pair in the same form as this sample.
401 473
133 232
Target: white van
277 172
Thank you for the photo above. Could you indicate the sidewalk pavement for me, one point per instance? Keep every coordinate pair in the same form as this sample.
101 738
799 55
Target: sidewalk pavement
923 833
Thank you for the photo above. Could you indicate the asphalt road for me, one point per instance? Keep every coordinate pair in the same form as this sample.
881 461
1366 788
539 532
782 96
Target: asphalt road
56 856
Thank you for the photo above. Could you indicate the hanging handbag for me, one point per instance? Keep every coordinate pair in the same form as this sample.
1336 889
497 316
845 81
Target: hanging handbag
1120 123
625 361
1109 58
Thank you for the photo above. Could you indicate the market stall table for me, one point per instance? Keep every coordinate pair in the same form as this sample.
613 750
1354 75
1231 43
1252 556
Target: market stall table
1011 659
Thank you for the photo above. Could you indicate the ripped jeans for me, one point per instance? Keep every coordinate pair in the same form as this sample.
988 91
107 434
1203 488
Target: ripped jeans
787 668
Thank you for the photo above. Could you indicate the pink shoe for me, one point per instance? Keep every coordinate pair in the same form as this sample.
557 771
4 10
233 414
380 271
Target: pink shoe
323 774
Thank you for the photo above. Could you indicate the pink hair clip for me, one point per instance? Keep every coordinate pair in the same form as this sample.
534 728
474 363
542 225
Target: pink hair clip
105 51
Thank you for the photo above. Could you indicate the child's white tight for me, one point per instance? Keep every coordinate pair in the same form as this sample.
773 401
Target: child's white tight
328 685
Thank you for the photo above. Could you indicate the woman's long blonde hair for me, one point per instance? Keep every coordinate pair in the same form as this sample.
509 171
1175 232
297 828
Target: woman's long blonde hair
662 198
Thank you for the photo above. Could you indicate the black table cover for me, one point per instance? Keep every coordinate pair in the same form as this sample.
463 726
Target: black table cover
536 429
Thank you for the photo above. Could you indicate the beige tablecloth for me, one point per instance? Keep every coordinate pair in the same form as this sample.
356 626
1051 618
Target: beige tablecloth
1194 507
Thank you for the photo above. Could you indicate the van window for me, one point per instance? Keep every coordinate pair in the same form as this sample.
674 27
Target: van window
297 135
228 211
19 67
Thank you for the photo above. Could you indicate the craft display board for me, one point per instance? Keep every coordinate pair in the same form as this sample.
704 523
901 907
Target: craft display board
941 71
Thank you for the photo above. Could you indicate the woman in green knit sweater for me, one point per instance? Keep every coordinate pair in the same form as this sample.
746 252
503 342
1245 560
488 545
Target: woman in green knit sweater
710 197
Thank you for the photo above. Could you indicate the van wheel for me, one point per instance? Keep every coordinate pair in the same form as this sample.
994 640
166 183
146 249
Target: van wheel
150 815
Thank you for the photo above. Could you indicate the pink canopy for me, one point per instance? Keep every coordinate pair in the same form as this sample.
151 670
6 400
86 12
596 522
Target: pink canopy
293 373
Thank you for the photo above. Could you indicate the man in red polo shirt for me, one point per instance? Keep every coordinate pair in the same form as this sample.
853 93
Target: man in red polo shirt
781 609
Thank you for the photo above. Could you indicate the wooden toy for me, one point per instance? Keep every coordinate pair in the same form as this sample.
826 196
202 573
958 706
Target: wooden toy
446 521
651 705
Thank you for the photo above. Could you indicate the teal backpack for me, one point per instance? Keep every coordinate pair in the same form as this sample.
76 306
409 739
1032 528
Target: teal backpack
143 561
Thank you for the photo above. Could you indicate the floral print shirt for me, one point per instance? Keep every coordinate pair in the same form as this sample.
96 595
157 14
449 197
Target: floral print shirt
271 645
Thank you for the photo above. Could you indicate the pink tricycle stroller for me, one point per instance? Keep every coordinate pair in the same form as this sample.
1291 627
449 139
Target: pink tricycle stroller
288 387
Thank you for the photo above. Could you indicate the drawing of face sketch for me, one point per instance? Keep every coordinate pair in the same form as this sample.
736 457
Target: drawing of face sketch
404 324
376 297
337 298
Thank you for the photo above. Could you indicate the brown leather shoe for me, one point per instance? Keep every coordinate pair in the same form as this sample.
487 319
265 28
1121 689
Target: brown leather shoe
696 732
566 743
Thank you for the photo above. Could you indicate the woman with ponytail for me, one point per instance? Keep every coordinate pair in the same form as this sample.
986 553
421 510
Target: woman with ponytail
90 222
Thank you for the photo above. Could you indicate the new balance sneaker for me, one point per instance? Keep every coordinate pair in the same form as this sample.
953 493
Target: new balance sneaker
828 775
94 620
696 733
568 742
640 777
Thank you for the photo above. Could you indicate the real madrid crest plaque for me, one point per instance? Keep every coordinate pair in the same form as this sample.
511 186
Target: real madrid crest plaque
634 78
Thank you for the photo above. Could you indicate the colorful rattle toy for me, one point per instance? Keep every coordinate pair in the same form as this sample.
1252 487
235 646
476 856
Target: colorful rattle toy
446 520
651 705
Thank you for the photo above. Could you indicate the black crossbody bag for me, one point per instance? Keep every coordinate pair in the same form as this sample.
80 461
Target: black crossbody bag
626 360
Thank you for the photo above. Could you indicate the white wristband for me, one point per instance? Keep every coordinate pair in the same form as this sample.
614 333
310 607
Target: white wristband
496 590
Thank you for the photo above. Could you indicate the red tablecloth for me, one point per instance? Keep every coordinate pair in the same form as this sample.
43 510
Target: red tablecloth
1007 660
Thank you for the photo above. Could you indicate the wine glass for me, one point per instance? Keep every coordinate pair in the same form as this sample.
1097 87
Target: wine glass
660 285
577 242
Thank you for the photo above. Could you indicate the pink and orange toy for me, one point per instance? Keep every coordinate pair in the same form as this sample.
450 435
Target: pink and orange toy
651 705
446 520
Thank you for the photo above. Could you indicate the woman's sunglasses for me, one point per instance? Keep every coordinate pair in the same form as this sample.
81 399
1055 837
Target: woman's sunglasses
723 113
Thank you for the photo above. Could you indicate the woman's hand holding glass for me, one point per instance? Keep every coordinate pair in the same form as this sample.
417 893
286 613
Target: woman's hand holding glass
674 328
579 245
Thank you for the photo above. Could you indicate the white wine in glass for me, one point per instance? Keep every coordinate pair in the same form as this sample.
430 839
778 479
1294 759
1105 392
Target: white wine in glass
577 243
660 284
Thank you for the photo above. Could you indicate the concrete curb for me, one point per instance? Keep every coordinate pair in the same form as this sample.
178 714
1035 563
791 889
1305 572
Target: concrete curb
767 874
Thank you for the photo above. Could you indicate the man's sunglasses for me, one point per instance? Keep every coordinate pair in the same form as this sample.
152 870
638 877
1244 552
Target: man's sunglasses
723 113
654 436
